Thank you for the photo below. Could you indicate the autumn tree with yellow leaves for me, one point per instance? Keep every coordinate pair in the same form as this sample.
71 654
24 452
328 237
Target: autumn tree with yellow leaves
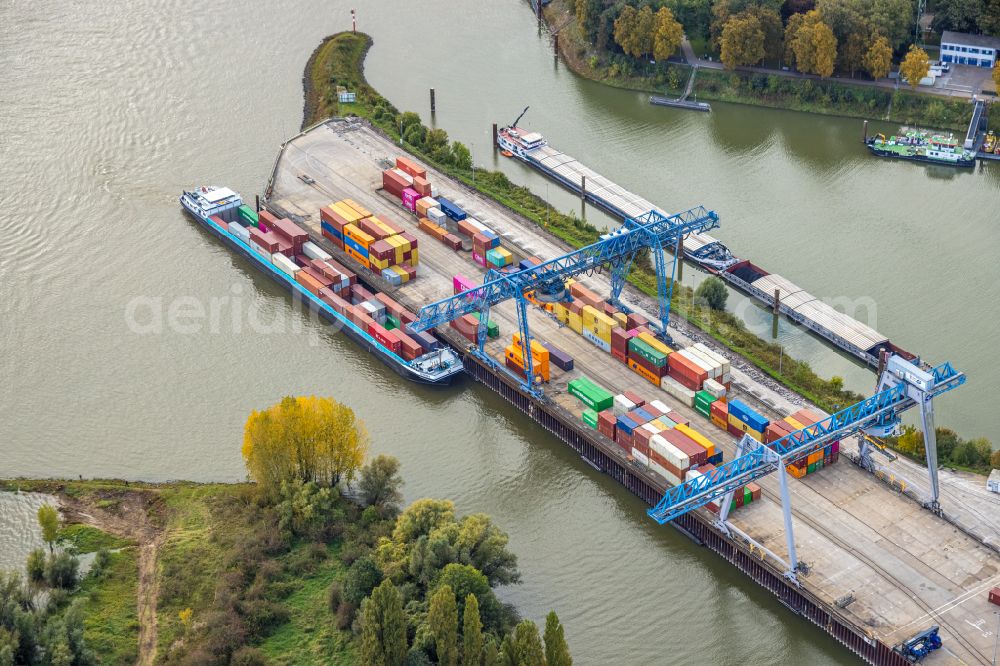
667 34
878 59
307 438
811 44
914 66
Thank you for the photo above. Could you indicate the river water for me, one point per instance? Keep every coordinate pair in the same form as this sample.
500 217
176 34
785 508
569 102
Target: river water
108 111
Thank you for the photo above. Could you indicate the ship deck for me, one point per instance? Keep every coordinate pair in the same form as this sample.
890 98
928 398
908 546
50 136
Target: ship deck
904 568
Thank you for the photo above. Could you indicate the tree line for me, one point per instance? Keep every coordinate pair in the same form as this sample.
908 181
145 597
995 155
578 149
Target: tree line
820 37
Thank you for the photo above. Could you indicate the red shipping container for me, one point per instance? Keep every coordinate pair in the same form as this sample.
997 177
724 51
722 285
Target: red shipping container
366 225
349 274
620 355
619 340
995 596
359 294
640 439
265 240
326 270
634 398
738 497
606 423
217 221
384 337
267 218
393 183
338 304
686 372
290 231
720 410
656 413
311 284
667 465
422 185
734 430
409 348
754 491
635 320
638 418
518 370
775 430
652 368
333 218
318 275
694 451
410 167
624 440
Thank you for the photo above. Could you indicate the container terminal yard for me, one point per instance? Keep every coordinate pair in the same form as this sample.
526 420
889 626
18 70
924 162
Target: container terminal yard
872 567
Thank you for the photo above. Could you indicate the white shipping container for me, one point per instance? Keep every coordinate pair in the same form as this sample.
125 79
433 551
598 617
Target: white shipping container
726 365
475 223
434 190
622 405
241 232
314 251
670 453
659 469
715 388
708 366
677 390
428 200
284 263
592 337
649 427
640 456
436 216
660 406
259 250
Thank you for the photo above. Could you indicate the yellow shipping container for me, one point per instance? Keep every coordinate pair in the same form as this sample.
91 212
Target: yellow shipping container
379 263
383 226
575 322
795 471
733 421
655 343
560 311
795 424
538 350
413 256
621 318
702 441
397 244
362 211
347 212
659 425
400 272
505 253
815 456
589 314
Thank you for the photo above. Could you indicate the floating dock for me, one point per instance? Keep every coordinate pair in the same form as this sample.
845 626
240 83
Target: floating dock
680 103
881 568
841 330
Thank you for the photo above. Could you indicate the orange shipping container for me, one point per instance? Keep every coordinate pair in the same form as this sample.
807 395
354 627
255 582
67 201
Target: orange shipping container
309 282
410 167
644 373
422 185
539 368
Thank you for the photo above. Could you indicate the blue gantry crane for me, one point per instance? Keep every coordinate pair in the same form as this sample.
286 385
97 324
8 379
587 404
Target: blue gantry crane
617 250
902 386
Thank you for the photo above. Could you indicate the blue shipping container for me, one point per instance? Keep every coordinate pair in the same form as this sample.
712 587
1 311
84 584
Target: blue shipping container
356 246
626 424
450 209
329 229
748 416
644 414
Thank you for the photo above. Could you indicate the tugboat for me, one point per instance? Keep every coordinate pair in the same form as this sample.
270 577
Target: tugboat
921 146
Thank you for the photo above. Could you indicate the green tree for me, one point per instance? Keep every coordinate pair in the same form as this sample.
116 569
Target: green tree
914 66
36 566
491 653
958 15
380 485
383 627
524 647
556 649
996 75
484 545
465 580
421 518
742 41
667 34
995 459
48 520
472 632
981 451
989 19
442 618
588 13
694 15
408 120
306 509
61 571
713 293
947 440
893 18
852 55
878 59
363 576
646 25
626 33
461 157
309 438
774 32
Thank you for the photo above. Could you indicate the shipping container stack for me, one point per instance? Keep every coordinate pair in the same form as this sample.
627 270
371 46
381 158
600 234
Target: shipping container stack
540 366
289 249
379 245
812 463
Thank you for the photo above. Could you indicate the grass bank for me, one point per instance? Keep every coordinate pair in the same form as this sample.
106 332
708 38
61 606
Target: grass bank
339 61
837 98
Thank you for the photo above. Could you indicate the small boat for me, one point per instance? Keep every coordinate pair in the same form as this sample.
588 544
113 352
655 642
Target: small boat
506 153
920 146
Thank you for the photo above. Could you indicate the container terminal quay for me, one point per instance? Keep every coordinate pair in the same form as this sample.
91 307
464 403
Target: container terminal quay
671 417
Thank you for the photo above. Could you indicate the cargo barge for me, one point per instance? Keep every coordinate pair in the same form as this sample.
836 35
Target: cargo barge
872 585
919 146
705 251
218 210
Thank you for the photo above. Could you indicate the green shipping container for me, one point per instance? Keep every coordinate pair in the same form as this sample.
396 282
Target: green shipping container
248 214
591 394
704 397
811 468
590 418
819 465
747 496
492 330
391 322
654 356
732 506
704 410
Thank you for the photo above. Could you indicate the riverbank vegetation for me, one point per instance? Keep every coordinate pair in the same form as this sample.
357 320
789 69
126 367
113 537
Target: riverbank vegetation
764 45
973 455
298 567
327 70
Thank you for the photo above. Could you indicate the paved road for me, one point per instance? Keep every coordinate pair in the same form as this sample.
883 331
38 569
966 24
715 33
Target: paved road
886 84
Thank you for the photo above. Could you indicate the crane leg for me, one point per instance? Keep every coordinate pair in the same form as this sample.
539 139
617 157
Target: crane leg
619 274
481 330
930 446
522 323
664 289
786 509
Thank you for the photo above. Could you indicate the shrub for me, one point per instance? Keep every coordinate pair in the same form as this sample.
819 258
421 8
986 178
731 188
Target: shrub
61 570
248 656
36 565
345 615
334 595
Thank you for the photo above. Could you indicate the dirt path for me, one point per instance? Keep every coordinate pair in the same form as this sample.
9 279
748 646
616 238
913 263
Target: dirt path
130 520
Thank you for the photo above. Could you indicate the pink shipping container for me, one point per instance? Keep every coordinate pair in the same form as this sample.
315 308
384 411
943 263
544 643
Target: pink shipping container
479 259
462 283
410 197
